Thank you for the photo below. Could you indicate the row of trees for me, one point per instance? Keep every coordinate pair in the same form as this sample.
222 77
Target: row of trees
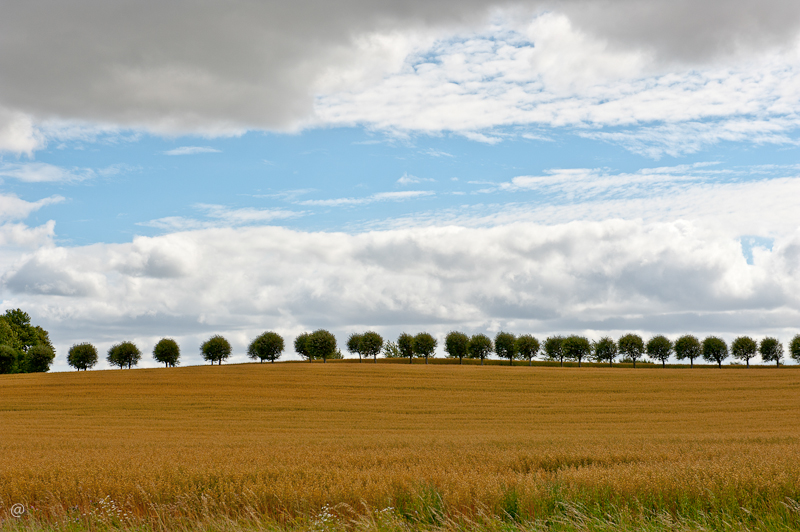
321 345
267 346
24 348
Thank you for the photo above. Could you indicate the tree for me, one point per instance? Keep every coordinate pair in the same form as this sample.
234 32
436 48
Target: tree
267 346
744 348
405 343
715 350
82 356
216 349
354 344
631 346
576 348
528 347
167 352
605 350
505 345
794 348
424 345
480 346
38 359
322 344
660 348
8 359
7 335
124 354
553 348
456 345
301 346
390 350
371 344
688 346
771 350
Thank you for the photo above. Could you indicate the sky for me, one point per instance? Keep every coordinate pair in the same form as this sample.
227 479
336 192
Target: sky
592 167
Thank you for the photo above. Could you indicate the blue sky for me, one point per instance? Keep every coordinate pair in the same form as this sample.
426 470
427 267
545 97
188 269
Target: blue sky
419 166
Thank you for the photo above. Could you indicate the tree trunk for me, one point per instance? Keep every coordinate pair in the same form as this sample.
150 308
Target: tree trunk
748 363
411 359
663 363
461 360
719 363
579 362
530 361
634 363
426 359
562 362
324 360
481 361
778 363
691 363
510 361
376 358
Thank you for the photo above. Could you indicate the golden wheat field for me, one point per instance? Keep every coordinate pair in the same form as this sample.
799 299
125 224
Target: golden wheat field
294 444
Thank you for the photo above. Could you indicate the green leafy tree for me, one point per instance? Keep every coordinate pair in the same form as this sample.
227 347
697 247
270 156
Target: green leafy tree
424 345
82 356
390 350
605 350
505 346
8 359
688 346
371 344
354 345
794 348
38 358
744 348
528 347
715 350
659 348
124 354
576 348
216 349
7 335
266 346
167 352
456 345
480 346
301 346
631 346
553 348
322 344
771 350
405 343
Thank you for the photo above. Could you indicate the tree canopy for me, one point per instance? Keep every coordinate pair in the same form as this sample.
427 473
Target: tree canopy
480 346
301 346
371 345
528 347
576 348
322 344
553 348
794 348
19 337
405 343
771 350
216 349
605 350
659 348
715 350
744 348
167 352
354 344
688 346
82 356
266 346
505 346
124 354
456 345
424 345
631 346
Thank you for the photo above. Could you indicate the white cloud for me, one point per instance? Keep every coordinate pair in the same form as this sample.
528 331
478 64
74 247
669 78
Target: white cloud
191 150
35 172
221 216
14 208
612 275
407 179
18 133
380 196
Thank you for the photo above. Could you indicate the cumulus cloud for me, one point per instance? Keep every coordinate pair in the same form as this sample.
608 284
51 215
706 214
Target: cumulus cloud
592 277
14 208
222 68
191 150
